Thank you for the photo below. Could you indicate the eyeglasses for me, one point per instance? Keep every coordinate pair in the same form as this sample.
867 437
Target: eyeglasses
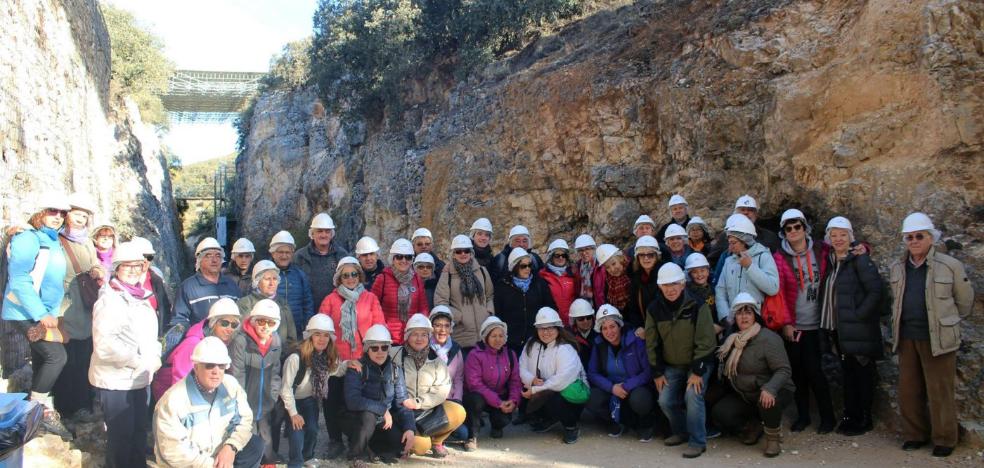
351 274
210 366
646 255
378 348
401 257
233 324
917 236
56 211
462 251
441 325
131 266
524 266
583 319
424 266
793 227
263 322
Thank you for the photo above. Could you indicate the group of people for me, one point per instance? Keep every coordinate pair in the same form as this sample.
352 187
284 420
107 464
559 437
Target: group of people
680 334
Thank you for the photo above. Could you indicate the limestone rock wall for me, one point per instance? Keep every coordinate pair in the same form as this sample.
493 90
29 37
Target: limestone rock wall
59 129
867 109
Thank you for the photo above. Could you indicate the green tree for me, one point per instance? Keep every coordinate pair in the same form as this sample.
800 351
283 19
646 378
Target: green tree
139 68
291 68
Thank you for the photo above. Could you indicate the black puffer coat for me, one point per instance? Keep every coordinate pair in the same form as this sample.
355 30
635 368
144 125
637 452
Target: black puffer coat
858 288
519 309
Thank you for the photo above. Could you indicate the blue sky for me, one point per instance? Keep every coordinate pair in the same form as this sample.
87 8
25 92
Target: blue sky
220 35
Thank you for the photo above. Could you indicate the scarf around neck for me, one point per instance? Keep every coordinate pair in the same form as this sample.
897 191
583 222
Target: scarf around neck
349 323
471 288
523 284
251 332
730 352
618 291
80 236
828 314
442 350
135 291
586 269
319 374
403 292
557 270
419 357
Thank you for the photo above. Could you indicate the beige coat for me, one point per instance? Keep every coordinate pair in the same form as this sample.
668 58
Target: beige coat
949 298
77 320
430 385
468 316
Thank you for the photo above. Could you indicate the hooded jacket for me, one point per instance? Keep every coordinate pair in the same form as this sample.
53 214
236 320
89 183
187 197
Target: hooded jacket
125 350
319 270
632 357
493 374
468 314
386 288
258 374
760 279
36 270
518 309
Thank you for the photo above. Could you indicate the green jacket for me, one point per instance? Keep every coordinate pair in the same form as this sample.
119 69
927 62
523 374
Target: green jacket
681 338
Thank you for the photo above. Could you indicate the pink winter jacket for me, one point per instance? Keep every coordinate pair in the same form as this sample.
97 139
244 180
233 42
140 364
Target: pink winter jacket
178 363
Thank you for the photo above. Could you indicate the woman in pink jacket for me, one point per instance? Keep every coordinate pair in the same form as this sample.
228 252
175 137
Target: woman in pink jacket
492 382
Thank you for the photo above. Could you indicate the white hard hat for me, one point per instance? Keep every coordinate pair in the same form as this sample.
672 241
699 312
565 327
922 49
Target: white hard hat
842 223
917 222
519 230
696 221
605 252
377 334
211 350
346 261
423 257
441 311
54 200
489 324
265 308
677 199
127 252
580 308
740 223
461 242
643 219
222 308
791 214
744 298
243 245
646 241
583 241
746 201
320 322
322 221
417 321
263 265
421 232
282 237
82 201
674 230
607 311
482 224
366 245
146 247
515 255
208 243
696 260
400 247
558 244
670 273
547 317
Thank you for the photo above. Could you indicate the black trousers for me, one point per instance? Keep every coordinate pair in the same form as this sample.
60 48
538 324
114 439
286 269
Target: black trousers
365 434
72 391
732 412
127 423
805 359
859 386
636 410
475 405
557 408
333 406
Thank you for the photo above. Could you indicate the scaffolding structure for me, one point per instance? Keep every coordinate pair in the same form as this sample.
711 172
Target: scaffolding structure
209 96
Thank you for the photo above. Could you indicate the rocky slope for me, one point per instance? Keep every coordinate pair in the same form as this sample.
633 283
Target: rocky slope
867 109
60 130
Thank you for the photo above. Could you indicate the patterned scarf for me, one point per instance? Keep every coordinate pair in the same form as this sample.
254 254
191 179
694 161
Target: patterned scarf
135 291
319 374
471 288
419 357
618 291
442 350
828 315
403 292
732 347
523 284
349 323
586 290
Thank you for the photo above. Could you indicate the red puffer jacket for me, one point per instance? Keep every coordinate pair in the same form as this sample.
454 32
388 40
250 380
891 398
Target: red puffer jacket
385 288
564 290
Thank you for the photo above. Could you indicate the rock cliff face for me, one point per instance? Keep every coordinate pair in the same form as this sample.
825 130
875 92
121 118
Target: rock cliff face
867 109
59 129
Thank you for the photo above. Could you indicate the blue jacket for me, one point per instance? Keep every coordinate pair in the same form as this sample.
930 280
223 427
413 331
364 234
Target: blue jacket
377 389
760 279
295 288
23 298
632 356
196 294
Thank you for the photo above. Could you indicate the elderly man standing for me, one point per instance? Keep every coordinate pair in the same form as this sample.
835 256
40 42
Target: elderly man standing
318 260
197 293
294 286
931 294
204 420
679 214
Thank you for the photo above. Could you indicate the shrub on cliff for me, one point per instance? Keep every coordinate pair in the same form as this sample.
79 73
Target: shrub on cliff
139 68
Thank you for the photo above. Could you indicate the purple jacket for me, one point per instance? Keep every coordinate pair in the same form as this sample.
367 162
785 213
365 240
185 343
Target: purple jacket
493 374
633 357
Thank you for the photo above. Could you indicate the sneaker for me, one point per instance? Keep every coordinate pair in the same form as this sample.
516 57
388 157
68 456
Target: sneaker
543 425
571 434
439 451
646 434
616 430
471 445
713 433
693 452
495 433
674 440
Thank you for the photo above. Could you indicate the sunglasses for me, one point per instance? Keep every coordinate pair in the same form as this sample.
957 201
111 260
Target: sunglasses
559 255
56 211
646 255
233 324
793 227
524 266
264 322
148 257
462 251
917 236
131 266
379 348
583 319
211 366
403 257
425 266
351 274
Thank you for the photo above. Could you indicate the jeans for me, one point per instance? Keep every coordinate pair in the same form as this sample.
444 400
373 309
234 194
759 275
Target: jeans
683 406
302 442
249 456
127 423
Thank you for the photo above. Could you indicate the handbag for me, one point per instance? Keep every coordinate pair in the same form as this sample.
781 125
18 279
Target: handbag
88 286
577 392
774 311
430 422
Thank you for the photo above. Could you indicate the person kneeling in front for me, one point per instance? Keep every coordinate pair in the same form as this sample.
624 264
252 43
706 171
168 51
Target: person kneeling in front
204 420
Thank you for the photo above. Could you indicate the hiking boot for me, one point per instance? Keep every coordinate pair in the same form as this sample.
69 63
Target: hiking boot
799 425
335 450
911 445
496 433
773 440
752 433
693 452
616 430
51 424
571 434
471 444
825 427
674 440
439 451
942 451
